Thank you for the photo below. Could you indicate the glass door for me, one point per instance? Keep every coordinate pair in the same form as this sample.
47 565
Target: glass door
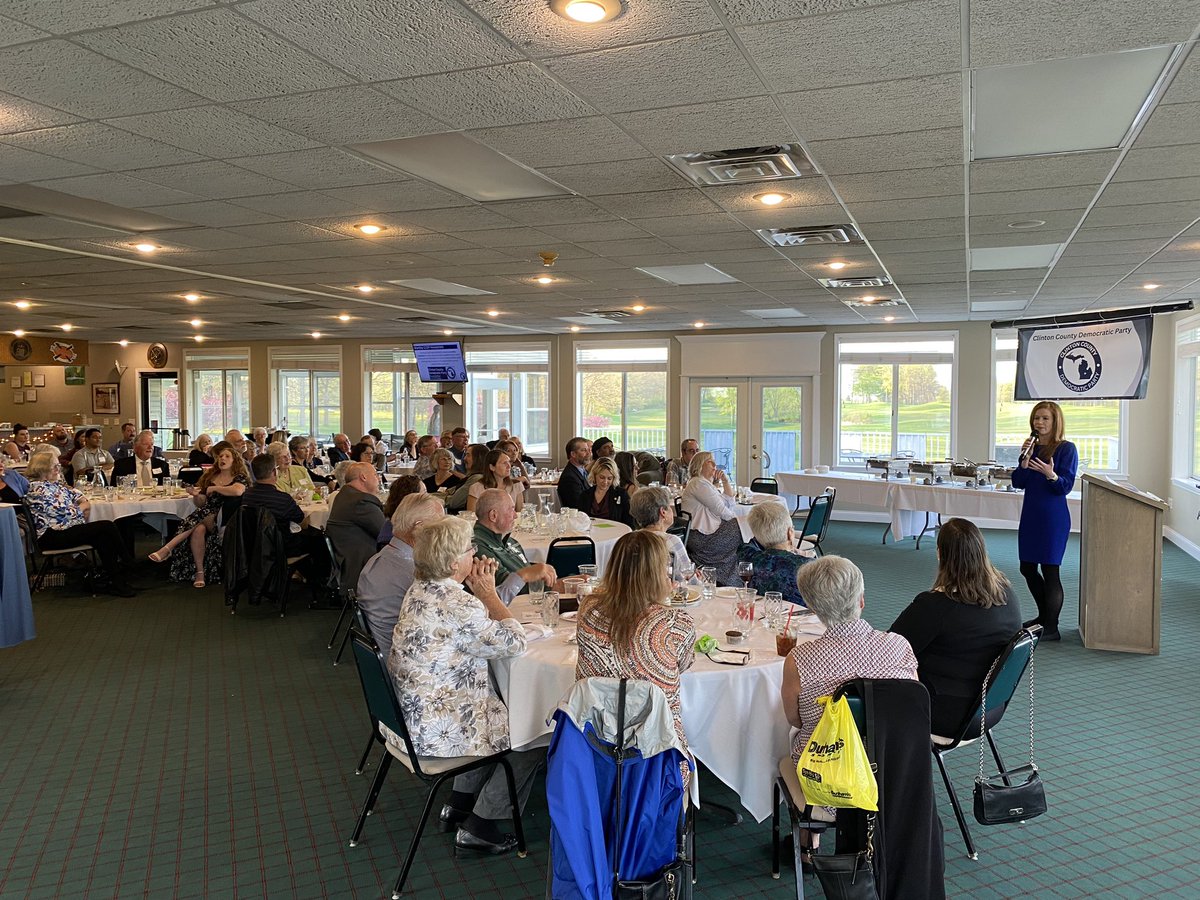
160 405
718 409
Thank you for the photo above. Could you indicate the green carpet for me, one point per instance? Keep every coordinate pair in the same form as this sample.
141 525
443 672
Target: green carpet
159 747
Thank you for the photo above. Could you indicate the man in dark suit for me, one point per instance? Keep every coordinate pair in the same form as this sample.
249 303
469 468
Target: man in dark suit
355 520
340 451
573 480
265 494
149 470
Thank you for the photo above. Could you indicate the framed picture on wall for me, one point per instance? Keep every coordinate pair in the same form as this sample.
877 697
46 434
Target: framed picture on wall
106 399
39 380
74 375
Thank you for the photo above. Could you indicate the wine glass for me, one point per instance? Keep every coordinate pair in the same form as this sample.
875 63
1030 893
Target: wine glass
745 571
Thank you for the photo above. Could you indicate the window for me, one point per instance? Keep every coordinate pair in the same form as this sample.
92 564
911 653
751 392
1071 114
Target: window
621 393
895 396
510 389
1093 426
218 384
396 398
1187 394
306 386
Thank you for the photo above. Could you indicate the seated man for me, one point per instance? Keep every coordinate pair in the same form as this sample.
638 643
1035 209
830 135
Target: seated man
240 445
387 576
355 520
677 469
574 478
501 436
60 440
93 458
494 519
142 463
459 439
425 447
123 447
264 494
340 451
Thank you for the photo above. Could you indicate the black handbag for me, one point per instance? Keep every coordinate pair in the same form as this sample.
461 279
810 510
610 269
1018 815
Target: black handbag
666 885
849 876
1014 795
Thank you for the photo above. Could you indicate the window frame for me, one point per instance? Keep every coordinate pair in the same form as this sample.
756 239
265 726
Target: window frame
512 369
1186 445
404 375
195 361
624 368
289 360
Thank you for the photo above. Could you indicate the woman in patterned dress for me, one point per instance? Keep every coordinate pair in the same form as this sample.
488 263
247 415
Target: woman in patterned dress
625 631
195 550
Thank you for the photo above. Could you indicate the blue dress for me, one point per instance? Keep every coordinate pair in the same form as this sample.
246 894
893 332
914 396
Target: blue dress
1045 519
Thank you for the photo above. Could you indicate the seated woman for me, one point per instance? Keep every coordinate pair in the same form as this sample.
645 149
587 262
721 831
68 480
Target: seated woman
849 648
474 458
441 645
444 478
626 472
408 450
715 538
959 626
652 509
290 478
518 472
528 460
13 484
60 518
497 467
201 455
195 550
773 552
605 500
625 631
363 452
402 486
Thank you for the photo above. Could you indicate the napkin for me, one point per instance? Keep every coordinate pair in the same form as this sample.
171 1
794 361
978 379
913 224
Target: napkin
535 632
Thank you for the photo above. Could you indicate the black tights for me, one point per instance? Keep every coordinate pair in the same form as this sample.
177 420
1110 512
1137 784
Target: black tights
1047 592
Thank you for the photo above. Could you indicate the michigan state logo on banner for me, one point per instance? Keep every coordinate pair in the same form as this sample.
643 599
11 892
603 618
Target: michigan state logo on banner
1100 361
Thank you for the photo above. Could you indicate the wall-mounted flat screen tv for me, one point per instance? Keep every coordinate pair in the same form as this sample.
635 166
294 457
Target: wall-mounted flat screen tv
441 361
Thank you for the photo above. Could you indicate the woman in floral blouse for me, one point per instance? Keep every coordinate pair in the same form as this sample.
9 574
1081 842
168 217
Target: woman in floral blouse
773 553
60 516
443 640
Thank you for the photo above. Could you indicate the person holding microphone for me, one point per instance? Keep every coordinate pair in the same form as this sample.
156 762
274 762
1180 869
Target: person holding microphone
1047 474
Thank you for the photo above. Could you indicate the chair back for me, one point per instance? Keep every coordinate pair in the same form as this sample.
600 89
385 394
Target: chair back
567 554
765 486
380 692
817 522
335 570
1006 675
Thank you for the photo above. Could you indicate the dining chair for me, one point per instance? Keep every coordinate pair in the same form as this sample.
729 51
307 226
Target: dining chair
765 486
47 558
383 707
812 532
255 561
335 579
566 554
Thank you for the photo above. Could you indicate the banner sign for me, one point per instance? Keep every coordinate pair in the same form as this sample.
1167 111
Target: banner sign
1098 361
40 351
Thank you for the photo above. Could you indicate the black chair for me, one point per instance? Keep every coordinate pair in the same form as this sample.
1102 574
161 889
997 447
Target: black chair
1006 675
335 580
765 486
567 554
682 526
256 561
384 710
812 532
190 474
47 558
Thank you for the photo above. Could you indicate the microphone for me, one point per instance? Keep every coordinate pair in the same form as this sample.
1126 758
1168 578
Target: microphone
1032 448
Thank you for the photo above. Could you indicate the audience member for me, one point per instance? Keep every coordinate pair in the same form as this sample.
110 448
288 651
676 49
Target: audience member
306 541
13 485
363 452
603 499
603 448
200 455
524 457
494 519
259 440
142 463
716 534
402 486
340 451
93 459
652 509
497 468
355 520
18 448
123 447
476 458
679 470
290 478
573 481
408 450
459 439
626 472
649 468
66 459
444 478
425 447
517 473
446 440
501 436
773 552
300 448
60 440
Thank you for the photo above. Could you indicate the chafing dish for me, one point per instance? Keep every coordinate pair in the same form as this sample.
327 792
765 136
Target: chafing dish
896 467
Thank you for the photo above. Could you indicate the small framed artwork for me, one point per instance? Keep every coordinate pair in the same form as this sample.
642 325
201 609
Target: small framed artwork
18 396
27 378
106 399
14 381
39 380
74 375
31 396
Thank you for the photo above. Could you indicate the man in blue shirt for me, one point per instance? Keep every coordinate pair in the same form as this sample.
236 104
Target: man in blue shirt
123 447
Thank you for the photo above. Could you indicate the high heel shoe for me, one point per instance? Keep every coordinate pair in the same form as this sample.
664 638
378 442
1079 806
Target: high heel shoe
160 556
198 583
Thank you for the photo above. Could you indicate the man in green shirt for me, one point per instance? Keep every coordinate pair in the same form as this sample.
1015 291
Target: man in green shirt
494 519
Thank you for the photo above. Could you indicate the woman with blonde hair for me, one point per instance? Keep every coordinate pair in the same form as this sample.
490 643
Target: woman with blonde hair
201 454
497 472
605 500
708 498
626 631
290 478
1046 473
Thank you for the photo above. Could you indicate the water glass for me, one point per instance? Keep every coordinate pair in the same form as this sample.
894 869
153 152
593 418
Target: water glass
773 609
743 609
588 572
550 609
708 582
537 590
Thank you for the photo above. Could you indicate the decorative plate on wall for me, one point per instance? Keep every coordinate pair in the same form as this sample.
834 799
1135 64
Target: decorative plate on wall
156 355
20 349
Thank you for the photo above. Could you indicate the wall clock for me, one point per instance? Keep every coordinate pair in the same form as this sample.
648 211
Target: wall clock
156 355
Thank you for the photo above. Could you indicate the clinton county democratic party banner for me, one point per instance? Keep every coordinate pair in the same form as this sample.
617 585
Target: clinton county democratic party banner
1100 361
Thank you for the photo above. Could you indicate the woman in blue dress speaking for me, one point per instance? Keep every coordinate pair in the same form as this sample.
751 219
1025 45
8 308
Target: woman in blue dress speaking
1046 473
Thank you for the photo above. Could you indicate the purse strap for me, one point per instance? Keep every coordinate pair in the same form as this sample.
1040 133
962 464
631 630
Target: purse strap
619 750
983 705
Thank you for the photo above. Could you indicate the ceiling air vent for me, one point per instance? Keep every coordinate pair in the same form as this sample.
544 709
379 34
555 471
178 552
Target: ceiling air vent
265 324
817 234
744 166
879 302
871 281
611 313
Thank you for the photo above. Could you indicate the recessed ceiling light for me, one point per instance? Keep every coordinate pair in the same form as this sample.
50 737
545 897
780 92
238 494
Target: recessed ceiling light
195 323
364 288
770 198
638 308
868 299
66 326
576 328
368 228
837 265
198 338
315 334
343 318
1026 224
447 332
19 333
493 313
123 342
544 279
22 304
191 298
145 248
1033 256
1149 286
889 318
587 12
697 324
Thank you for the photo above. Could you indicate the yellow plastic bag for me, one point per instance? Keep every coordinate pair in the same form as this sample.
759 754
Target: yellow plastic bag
834 769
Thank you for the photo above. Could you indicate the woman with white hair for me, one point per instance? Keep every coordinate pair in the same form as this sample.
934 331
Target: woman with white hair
290 478
773 552
850 648
444 478
443 640
201 454
708 499
652 509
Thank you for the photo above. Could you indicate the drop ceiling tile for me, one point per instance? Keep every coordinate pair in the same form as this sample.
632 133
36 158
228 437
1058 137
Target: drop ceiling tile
69 16
42 228
747 12
1092 232
1176 123
214 131
23 165
119 190
1166 215
1159 162
1185 88
613 230
463 218
667 226
719 125
343 115
317 169
14 32
212 180
924 228
626 176
795 217
216 53
301 205
1081 251
901 40
1040 172
506 237
398 196
886 248
702 243
375 41
885 107
94 144
17 114
905 210
212 214
1162 191
1004 32
900 185
797 192
688 201
1059 222
1018 204
892 152
555 211
574 141
669 72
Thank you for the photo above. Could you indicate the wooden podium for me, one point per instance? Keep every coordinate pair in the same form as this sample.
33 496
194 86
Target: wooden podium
1120 567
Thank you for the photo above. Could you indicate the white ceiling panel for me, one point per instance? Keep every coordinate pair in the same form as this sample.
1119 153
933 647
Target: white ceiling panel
19 165
720 125
94 144
17 114
1177 123
68 16
212 180
317 169
901 184
890 152
212 213
885 107
343 115
398 196
214 131
1020 204
119 190
993 175
572 141
1159 162
627 176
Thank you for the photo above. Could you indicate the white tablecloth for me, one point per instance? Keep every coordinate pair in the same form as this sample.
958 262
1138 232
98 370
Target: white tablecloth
744 509
317 512
177 454
732 715
181 506
603 532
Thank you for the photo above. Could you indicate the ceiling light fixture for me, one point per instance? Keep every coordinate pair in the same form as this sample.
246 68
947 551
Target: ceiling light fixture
697 324
364 288
837 265
198 338
22 304
315 334
544 279
447 332
549 257
587 12
19 333
1026 224
145 248
493 313
638 308
195 323
889 318
576 328
868 299
770 198
123 342
343 318
66 326
191 298
1149 286
369 228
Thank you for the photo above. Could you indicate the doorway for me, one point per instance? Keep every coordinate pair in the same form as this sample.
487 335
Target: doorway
159 394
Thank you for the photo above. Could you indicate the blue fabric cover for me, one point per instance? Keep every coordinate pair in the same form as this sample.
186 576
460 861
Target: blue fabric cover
1045 518
580 781
16 608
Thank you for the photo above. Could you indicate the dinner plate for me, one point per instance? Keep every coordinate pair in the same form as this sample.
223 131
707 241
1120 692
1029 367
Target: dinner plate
569 616
727 593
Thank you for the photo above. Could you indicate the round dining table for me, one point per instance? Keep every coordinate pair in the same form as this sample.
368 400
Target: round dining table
110 508
603 532
732 714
